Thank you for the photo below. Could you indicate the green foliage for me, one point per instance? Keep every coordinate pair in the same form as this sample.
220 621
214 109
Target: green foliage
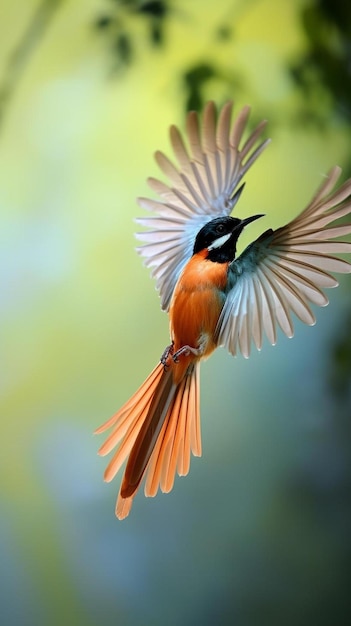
117 26
194 80
325 66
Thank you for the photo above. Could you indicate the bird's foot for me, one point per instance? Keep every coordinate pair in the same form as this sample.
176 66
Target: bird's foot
186 350
167 352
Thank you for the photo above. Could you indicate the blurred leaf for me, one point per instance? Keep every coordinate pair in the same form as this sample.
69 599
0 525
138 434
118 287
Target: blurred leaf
194 80
156 8
123 48
118 27
103 22
340 374
325 66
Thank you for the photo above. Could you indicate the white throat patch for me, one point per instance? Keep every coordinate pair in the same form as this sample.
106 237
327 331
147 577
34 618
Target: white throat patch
219 242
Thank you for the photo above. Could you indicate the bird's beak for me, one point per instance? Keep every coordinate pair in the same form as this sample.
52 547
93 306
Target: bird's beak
238 229
247 220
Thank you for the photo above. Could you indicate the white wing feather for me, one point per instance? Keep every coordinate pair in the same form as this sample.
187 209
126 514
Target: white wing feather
202 187
284 271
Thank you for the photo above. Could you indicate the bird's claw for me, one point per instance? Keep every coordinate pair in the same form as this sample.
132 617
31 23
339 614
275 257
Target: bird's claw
167 352
186 350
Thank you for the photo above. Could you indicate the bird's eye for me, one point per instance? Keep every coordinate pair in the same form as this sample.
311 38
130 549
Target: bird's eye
220 229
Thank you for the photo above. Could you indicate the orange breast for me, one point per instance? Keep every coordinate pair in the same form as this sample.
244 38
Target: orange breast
197 302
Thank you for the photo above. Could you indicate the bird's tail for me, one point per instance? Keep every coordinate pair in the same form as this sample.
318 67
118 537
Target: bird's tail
157 428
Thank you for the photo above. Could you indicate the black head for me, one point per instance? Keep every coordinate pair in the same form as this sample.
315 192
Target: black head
219 237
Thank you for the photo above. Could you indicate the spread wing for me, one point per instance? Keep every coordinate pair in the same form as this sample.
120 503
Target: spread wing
203 186
285 270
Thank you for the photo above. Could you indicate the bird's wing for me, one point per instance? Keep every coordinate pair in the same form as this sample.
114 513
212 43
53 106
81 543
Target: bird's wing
285 270
202 187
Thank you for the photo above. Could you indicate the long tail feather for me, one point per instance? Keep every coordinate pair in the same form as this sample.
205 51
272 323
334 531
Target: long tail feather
148 434
157 428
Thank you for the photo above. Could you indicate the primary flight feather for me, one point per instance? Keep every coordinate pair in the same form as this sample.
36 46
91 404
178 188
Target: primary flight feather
214 298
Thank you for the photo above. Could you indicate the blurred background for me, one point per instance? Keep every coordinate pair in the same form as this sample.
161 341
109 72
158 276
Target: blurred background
259 532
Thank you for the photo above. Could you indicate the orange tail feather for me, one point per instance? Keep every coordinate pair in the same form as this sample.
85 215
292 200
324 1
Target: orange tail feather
157 428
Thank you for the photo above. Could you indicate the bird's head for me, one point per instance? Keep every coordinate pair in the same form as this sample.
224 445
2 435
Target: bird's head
219 237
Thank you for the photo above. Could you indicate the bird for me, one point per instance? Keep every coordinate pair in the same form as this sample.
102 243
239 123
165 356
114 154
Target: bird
214 297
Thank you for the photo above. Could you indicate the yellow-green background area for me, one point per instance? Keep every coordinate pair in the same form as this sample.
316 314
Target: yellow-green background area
258 533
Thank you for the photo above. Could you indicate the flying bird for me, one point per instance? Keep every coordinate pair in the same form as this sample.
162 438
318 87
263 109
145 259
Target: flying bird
213 297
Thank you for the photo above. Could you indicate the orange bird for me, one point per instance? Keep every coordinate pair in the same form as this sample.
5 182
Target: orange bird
214 298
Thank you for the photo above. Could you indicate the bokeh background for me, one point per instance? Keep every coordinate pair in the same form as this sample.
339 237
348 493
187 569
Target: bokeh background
259 532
